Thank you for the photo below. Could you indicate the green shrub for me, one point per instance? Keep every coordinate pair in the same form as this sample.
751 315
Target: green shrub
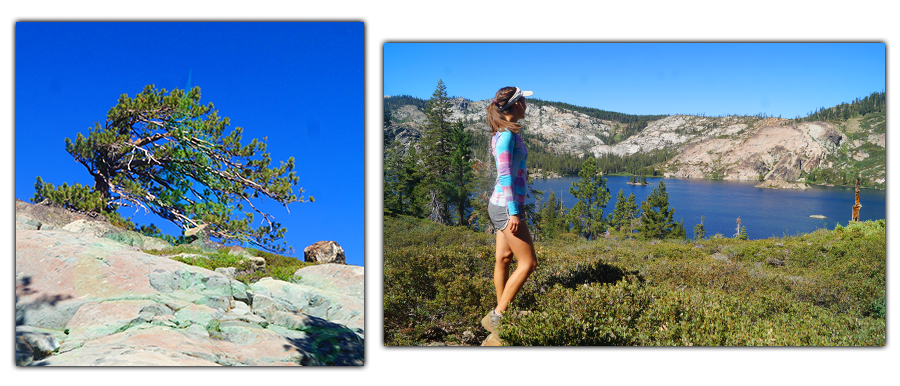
277 266
822 288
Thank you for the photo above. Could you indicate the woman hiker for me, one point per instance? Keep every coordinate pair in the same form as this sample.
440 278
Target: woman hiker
507 202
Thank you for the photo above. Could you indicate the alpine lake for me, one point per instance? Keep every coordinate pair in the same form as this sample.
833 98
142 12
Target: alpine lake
763 212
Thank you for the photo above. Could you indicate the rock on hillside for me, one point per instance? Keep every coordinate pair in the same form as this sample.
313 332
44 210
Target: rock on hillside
88 300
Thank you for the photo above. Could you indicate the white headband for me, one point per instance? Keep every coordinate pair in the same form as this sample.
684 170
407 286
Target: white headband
512 100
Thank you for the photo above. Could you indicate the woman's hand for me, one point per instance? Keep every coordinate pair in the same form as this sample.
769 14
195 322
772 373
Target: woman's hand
513 223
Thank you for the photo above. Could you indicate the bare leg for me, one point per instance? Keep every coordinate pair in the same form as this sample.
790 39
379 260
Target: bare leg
522 247
503 257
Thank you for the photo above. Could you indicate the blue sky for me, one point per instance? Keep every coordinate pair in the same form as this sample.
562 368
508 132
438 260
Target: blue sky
778 79
299 84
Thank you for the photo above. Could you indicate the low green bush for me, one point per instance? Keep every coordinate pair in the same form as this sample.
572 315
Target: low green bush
818 289
277 266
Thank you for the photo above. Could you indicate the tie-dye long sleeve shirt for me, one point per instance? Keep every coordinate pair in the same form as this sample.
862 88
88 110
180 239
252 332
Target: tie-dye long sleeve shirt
510 155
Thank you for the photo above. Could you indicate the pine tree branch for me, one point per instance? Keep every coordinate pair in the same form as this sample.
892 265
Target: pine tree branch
153 138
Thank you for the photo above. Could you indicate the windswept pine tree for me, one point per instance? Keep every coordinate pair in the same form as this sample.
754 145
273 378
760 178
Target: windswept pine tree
167 153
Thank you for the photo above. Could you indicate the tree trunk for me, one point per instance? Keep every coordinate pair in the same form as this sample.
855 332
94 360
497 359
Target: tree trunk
438 212
460 208
101 184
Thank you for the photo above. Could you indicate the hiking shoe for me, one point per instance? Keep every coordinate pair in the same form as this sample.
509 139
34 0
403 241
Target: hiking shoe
491 322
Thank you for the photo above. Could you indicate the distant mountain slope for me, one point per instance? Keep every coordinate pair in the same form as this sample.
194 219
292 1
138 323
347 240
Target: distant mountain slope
563 130
749 149
731 147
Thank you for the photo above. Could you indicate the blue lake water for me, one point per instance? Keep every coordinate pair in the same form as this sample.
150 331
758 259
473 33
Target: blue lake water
764 213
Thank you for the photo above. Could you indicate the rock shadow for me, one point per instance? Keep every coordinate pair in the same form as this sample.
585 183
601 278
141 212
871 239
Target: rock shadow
24 288
331 344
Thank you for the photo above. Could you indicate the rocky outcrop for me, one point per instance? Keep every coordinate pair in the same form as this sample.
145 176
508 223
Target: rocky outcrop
671 131
775 152
775 184
46 216
84 300
325 252
734 148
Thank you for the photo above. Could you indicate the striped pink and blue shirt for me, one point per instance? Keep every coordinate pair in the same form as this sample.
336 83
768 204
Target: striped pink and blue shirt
510 155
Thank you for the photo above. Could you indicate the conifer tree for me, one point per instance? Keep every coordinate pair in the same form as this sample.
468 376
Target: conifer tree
401 179
699 230
411 179
436 149
592 194
624 211
397 177
656 216
678 231
461 174
167 153
386 122
740 231
551 217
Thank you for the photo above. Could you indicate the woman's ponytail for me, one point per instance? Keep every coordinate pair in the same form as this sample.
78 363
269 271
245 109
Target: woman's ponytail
495 119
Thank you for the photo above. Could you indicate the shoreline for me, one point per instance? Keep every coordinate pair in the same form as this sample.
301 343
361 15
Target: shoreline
808 184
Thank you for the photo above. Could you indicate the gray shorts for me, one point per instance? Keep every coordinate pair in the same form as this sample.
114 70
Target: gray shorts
499 215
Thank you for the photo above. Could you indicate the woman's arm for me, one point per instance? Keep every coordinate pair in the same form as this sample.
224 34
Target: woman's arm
505 145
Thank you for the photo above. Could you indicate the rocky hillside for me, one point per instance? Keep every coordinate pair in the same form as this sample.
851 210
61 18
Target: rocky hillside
730 148
750 149
564 131
88 295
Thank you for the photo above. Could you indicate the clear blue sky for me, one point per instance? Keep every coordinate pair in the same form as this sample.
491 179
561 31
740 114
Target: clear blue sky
299 84
778 79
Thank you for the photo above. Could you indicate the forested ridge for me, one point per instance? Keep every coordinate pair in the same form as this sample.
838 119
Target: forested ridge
544 156
875 102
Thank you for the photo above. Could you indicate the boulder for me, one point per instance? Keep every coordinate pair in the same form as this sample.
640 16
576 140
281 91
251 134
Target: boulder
200 238
324 252
34 343
256 263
